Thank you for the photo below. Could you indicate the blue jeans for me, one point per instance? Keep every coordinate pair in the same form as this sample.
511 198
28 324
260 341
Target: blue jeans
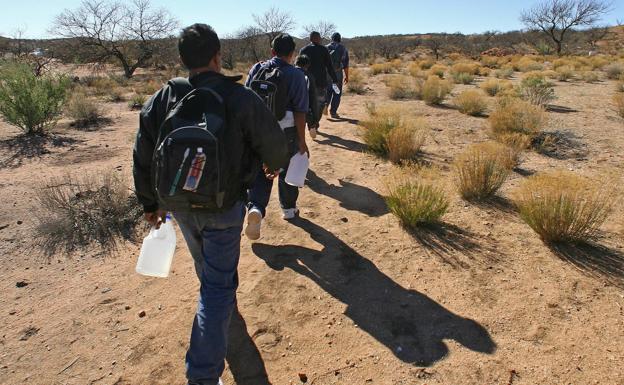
260 191
333 99
214 242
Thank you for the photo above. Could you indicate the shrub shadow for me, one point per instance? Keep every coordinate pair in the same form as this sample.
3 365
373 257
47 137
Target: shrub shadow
498 203
560 145
410 324
560 109
243 356
340 143
22 147
596 260
92 124
450 243
351 196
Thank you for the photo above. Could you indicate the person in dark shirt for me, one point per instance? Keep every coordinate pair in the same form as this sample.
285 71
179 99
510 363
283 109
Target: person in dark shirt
293 124
340 58
321 67
253 137
313 116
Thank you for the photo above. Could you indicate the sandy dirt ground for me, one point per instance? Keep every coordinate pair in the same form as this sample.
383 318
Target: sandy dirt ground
343 295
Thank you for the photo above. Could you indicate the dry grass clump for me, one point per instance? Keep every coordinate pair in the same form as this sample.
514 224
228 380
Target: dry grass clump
493 86
471 68
537 91
462 78
415 202
406 140
614 70
394 132
491 61
526 64
438 70
80 211
618 101
404 87
386 68
147 87
356 84
83 111
565 73
482 169
590 76
504 73
515 116
563 206
137 102
426 63
115 95
471 102
435 90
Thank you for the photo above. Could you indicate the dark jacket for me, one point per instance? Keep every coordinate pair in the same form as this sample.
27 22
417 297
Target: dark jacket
313 115
320 64
253 136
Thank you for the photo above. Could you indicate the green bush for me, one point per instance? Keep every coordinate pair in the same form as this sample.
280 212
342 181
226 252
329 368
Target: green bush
29 102
416 203
537 91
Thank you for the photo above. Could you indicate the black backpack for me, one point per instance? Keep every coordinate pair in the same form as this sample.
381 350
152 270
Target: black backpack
190 163
270 85
336 58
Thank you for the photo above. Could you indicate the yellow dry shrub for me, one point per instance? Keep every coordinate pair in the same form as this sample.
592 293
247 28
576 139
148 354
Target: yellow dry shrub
504 73
565 73
404 87
435 90
471 102
493 86
406 140
516 116
438 70
482 169
563 206
414 200
426 63
526 64
490 61
466 67
357 84
381 68
590 76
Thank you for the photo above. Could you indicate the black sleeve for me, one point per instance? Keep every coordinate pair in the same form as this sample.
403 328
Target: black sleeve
264 133
328 64
313 97
147 135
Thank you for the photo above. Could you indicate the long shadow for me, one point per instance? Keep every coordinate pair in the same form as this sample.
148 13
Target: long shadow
343 144
410 324
24 147
243 356
560 109
594 259
350 195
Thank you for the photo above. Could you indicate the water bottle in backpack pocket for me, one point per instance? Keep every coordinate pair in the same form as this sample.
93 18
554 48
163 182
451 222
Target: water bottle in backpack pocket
190 162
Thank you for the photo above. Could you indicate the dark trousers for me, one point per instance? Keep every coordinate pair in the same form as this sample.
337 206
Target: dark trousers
214 243
260 191
333 99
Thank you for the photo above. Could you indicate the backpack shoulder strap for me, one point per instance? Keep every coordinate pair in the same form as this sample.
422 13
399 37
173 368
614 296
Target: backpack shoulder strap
180 86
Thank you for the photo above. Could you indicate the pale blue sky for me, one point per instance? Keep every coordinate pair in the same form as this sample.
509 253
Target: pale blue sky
353 17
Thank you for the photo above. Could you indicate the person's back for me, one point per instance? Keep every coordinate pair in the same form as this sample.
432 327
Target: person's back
340 61
320 62
250 135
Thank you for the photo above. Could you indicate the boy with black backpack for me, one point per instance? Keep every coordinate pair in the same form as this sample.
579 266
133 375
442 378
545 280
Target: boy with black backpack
284 89
199 146
340 61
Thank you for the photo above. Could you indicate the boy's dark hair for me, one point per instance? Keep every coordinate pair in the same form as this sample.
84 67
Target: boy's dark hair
302 61
336 37
198 44
315 35
283 44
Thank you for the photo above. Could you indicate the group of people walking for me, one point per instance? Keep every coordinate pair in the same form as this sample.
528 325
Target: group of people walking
208 149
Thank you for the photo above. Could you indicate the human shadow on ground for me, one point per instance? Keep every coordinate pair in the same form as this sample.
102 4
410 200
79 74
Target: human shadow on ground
340 143
17 149
407 322
594 259
343 119
243 356
350 195
453 245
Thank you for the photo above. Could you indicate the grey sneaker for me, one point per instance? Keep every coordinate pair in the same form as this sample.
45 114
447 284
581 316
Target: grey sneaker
290 213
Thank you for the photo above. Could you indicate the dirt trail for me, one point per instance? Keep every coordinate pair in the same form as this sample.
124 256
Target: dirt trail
343 295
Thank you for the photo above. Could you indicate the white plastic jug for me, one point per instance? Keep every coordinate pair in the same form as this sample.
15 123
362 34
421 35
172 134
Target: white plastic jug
157 251
297 170
336 89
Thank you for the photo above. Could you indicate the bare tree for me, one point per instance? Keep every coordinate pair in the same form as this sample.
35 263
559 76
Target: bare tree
126 33
18 46
324 27
556 17
273 22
